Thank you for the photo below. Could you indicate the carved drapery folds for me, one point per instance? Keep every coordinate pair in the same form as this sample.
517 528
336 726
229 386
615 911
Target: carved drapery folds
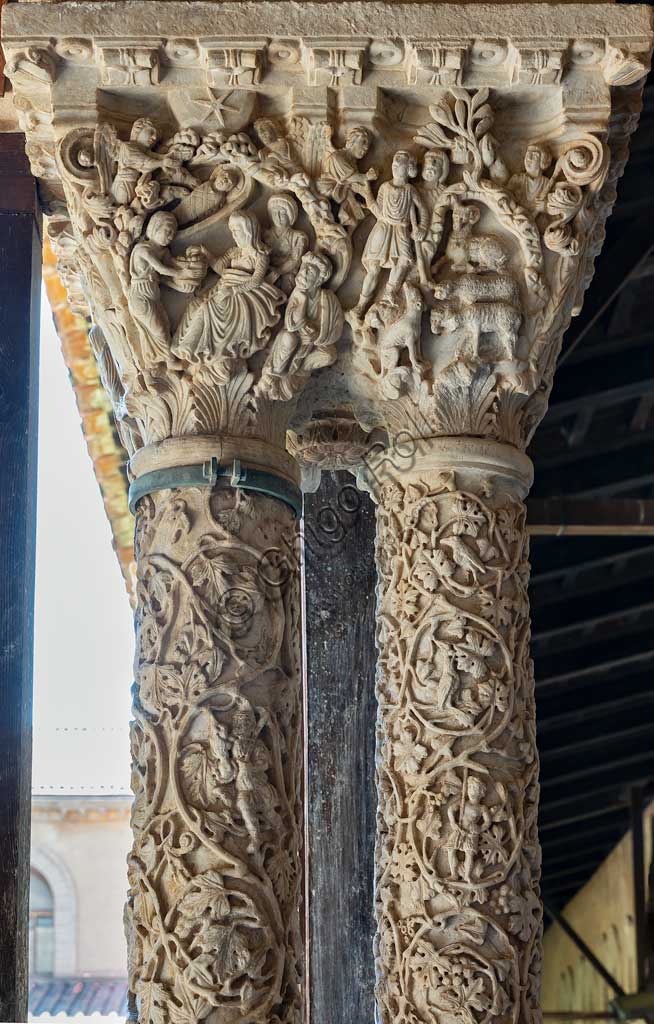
369 231
196 340
457 858
393 229
213 913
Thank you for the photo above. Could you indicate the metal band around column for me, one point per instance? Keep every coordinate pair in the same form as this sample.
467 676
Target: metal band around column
207 474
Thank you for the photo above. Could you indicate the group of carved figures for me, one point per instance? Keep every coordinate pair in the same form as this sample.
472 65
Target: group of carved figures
273 292
451 265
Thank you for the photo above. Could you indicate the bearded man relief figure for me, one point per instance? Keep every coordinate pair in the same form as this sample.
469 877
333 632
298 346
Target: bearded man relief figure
313 324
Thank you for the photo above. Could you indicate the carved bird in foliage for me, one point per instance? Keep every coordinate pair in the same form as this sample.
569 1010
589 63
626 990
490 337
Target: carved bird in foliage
464 556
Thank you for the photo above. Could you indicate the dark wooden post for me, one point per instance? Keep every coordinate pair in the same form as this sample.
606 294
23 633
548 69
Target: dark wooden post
20 275
341 803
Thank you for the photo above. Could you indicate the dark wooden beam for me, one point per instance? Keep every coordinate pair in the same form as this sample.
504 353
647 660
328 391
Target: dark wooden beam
592 575
341 804
621 517
602 744
614 270
20 266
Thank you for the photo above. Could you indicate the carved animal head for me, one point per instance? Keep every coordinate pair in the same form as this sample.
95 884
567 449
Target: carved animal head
443 290
412 298
443 318
381 314
464 217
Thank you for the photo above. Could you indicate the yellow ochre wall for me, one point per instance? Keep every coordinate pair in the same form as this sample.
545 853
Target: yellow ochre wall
602 913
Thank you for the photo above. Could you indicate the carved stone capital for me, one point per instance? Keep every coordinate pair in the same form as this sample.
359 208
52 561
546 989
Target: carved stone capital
376 216
366 231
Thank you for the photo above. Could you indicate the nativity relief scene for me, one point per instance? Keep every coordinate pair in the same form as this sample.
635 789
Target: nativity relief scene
425 256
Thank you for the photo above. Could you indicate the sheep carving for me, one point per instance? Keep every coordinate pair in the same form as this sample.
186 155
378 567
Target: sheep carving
480 318
466 251
469 288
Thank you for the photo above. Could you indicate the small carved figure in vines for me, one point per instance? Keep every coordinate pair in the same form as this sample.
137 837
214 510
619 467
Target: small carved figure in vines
402 219
312 325
150 260
467 823
256 799
287 245
341 180
233 318
530 187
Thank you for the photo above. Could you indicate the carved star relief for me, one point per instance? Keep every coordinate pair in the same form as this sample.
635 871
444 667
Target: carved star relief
197 110
218 105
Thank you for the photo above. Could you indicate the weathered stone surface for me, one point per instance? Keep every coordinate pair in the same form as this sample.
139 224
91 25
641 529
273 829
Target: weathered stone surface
355 233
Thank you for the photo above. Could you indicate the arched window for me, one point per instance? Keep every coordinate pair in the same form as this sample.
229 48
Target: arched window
42 947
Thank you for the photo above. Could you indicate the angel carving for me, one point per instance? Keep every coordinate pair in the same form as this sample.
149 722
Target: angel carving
341 180
135 159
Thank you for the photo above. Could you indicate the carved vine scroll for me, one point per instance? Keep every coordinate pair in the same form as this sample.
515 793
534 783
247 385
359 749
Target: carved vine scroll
215 871
458 859
341 236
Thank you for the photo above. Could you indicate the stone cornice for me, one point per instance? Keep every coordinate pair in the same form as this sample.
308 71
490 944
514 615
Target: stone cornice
80 808
581 37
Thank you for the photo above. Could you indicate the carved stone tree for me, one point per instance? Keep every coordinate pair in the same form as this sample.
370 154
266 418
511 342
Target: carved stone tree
357 244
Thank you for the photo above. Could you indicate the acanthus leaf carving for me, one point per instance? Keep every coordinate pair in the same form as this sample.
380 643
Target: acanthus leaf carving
361 233
281 250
